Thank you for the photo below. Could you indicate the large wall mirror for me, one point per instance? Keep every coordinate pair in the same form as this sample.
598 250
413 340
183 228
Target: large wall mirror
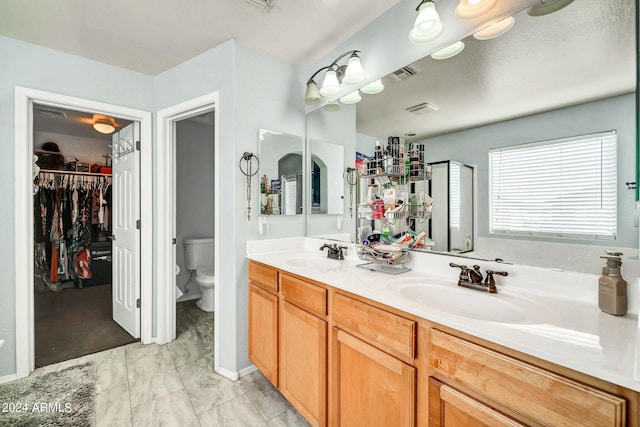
281 182
566 74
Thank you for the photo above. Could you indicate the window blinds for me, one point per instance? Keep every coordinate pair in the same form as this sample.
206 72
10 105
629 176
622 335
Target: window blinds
454 196
561 188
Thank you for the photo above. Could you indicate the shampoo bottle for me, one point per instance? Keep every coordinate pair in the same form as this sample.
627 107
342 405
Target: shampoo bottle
612 288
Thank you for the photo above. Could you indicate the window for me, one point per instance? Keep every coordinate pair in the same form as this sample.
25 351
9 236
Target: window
561 188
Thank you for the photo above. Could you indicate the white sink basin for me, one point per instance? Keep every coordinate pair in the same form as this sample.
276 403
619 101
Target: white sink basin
318 264
469 303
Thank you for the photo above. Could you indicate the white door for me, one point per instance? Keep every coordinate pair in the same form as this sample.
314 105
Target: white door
126 231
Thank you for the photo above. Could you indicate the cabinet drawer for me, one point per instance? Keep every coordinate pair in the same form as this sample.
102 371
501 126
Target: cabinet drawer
389 331
534 392
265 277
310 297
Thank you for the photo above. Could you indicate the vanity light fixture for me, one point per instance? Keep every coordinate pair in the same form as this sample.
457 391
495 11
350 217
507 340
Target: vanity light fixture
373 88
546 7
104 126
469 9
351 73
427 25
352 98
495 30
449 51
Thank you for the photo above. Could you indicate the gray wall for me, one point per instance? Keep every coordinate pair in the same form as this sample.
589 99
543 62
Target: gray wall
35 67
194 191
246 104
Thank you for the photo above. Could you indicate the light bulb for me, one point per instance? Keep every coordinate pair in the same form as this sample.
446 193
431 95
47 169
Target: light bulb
495 30
330 85
354 73
373 88
449 51
352 98
427 25
469 9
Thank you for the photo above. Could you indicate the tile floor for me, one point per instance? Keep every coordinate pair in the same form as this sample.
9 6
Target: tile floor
175 385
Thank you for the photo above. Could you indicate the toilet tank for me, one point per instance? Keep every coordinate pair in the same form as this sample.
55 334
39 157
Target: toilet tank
198 253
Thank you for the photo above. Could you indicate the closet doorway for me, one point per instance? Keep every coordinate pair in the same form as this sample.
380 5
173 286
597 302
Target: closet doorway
97 250
81 305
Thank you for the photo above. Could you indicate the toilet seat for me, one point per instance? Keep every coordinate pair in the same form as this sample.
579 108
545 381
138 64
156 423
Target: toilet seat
205 274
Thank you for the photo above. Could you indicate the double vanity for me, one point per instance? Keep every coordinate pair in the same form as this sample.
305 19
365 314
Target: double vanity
347 346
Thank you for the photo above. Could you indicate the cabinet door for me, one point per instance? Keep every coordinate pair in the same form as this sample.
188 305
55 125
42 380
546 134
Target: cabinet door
370 388
303 362
263 332
450 408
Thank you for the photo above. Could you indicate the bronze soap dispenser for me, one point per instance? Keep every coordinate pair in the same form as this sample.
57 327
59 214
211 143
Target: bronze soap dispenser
612 288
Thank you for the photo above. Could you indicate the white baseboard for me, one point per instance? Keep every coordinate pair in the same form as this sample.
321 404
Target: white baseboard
246 371
232 375
8 378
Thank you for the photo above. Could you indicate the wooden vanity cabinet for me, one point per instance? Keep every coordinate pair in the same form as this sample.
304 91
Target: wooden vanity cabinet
373 380
530 394
303 347
263 320
343 360
449 407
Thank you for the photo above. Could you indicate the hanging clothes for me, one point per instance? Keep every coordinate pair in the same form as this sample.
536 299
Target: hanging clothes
65 208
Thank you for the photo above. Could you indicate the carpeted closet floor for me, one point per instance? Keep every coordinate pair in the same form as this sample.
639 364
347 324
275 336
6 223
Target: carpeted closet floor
75 322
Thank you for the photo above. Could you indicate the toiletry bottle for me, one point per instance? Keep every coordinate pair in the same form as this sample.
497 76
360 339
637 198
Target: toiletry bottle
612 288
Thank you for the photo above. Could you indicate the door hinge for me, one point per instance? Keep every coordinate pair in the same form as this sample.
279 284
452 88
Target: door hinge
174 240
138 303
138 224
138 145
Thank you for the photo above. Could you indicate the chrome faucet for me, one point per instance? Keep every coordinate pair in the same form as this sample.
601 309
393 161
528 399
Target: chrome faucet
472 279
335 251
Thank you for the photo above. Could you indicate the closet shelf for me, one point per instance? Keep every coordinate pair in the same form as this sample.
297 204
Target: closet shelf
57 171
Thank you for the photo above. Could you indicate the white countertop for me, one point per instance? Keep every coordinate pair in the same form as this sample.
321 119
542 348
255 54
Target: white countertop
562 325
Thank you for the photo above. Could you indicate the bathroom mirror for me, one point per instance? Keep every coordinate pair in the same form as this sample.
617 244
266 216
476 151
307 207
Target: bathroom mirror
281 183
327 181
331 143
547 78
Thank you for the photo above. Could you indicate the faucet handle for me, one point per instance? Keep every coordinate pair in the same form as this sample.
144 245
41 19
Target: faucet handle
489 280
461 267
464 272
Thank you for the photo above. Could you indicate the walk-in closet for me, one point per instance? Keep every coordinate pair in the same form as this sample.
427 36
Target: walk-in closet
73 210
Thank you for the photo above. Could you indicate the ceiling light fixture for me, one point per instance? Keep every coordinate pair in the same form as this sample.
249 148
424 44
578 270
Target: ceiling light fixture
373 88
353 98
104 125
469 9
449 51
352 73
548 6
427 25
495 30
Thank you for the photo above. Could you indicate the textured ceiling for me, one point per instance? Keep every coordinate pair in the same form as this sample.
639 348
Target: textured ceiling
151 36
581 53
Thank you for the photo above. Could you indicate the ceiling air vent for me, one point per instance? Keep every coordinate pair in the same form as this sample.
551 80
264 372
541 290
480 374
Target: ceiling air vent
262 4
404 73
422 108
53 114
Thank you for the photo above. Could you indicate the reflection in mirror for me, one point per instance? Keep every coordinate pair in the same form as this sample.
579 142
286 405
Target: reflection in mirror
545 79
451 224
327 182
281 183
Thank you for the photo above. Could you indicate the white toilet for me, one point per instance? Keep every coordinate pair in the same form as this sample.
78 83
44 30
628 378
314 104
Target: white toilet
198 257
